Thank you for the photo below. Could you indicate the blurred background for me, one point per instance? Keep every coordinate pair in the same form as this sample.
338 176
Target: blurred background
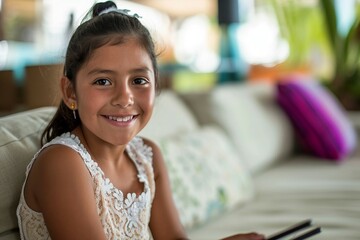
201 43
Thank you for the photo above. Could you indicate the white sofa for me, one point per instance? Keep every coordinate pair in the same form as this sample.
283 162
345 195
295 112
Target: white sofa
232 160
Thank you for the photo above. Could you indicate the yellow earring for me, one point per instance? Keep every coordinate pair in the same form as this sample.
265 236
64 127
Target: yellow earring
73 106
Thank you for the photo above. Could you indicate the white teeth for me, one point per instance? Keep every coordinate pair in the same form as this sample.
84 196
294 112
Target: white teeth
121 119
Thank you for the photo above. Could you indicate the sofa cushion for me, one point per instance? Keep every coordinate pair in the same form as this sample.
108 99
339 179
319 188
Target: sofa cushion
297 189
171 116
321 125
19 140
206 174
249 114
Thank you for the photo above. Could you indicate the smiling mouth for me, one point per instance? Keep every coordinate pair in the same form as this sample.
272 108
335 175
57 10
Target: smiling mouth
122 119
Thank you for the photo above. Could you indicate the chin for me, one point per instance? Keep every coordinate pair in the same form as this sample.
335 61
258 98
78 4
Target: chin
121 140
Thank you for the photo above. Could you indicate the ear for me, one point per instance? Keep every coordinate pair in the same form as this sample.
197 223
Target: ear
68 92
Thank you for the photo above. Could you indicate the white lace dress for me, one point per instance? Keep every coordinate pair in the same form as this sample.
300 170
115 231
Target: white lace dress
122 217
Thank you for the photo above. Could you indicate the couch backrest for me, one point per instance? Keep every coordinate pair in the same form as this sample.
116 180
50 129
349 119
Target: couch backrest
19 140
249 114
171 116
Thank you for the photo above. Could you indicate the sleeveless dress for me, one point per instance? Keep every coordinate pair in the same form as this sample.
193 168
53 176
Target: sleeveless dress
123 217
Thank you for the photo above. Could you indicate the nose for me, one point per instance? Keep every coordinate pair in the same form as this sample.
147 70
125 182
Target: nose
122 96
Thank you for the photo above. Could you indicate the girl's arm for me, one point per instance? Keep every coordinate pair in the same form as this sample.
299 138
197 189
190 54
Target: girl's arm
165 222
64 194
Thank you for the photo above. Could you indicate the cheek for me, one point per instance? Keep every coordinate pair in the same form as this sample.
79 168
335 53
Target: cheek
148 100
89 102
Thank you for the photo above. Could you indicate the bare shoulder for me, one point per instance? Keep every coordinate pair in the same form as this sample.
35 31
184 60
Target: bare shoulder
58 158
57 167
155 148
158 160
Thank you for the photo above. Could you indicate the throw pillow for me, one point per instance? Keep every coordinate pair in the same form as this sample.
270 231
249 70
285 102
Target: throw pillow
205 173
320 121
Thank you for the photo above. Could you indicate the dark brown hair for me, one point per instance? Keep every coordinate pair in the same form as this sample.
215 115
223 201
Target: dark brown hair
112 27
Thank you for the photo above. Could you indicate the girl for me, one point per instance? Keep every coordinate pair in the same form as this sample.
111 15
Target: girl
94 178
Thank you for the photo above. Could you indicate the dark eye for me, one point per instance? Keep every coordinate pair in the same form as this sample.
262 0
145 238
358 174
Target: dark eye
140 81
102 82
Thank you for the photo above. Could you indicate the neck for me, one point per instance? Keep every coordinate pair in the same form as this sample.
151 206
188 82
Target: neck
100 151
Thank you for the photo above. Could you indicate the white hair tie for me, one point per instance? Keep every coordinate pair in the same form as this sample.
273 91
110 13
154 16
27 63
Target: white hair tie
122 11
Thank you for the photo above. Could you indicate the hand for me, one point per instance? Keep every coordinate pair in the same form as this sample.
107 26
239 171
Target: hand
246 236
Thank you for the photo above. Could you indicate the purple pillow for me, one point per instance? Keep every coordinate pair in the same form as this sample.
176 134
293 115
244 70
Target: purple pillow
320 122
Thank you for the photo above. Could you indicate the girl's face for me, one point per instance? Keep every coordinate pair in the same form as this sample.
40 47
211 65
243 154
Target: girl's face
115 92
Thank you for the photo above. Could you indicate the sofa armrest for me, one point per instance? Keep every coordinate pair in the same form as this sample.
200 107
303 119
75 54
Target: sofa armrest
19 140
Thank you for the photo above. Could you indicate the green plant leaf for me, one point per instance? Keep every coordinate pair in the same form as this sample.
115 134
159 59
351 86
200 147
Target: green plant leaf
330 20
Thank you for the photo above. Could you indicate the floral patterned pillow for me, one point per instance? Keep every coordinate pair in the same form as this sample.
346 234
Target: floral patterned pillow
206 174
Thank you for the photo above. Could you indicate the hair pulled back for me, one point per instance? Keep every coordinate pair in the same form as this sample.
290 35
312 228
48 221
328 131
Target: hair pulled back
102 25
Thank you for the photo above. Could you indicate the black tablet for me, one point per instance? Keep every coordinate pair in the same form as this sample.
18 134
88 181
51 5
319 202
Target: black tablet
298 231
